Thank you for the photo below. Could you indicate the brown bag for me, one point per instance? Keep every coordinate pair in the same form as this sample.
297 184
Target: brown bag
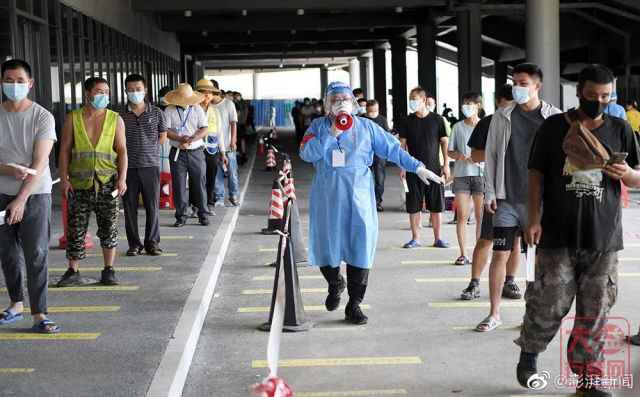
584 150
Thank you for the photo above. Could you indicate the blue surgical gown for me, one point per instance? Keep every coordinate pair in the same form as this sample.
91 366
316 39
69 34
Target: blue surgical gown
343 217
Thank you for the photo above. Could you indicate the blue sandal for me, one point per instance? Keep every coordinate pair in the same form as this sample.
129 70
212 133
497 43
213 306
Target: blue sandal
10 317
41 327
441 244
412 244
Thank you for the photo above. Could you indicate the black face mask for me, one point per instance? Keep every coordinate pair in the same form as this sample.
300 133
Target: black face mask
593 109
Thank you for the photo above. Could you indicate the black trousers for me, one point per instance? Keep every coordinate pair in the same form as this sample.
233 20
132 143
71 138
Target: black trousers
146 181
192 163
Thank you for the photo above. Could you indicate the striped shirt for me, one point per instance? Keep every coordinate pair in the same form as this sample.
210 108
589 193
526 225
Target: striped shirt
142 135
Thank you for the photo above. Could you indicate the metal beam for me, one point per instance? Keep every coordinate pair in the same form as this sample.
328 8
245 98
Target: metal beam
255 23
260 5
277 48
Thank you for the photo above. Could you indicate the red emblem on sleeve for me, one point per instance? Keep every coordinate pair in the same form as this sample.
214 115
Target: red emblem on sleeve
306 139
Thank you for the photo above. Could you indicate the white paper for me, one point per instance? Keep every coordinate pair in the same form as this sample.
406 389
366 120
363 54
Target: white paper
114 194
175 158
404 184
338 158
3 215
531 263
23 169
224 167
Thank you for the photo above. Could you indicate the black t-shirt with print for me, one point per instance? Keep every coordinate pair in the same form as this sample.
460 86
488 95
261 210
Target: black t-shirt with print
581 209
423 136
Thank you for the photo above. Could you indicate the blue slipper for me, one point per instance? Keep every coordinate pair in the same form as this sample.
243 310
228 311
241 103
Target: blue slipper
412 244
10 317
441 244
41 327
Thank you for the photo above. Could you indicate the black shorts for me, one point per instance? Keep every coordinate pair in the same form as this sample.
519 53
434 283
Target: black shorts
504 239
242 131
433 194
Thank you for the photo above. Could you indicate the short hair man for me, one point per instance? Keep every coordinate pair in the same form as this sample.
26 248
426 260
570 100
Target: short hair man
378 166
93 155
575 219
423 135
27 134
145 129
509 142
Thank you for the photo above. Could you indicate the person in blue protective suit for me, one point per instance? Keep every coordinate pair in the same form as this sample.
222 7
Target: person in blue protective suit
343 217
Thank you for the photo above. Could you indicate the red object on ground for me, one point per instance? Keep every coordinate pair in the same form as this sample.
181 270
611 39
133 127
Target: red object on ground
344 121
62 242
272 386
261 145
166 191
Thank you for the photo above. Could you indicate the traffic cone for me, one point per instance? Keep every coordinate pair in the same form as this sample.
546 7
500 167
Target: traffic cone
270 163
274 222
296 228
62 242
294 318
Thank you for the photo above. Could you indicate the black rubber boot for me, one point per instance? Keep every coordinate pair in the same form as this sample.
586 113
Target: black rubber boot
337 284
527 367
357 280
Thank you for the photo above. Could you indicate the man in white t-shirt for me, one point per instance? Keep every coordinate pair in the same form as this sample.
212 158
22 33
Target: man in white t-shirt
187 127
27 134
228 130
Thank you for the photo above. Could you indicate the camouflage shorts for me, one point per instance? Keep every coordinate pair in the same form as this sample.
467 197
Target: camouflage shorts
79 207
589 276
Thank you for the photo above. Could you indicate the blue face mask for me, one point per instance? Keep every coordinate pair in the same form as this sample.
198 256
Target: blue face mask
415 105
100 101
136 97
469 110
520 94
362 110
15 92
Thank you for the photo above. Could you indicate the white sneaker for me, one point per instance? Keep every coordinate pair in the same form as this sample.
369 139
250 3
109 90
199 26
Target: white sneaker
219 203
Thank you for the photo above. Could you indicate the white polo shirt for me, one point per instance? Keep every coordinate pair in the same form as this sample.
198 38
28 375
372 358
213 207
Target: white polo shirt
228 114
185 122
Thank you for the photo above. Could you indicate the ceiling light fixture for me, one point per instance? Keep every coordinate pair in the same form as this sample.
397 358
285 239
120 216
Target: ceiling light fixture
244 13
187 13
293 31
281 66
205 33
303 65
398 10
300 11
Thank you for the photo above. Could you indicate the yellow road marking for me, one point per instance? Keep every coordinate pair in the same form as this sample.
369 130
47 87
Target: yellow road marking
628 274
79 309
61 336
627 259
164 237
270 278
96 288
122 254
472 327
119 268
473 304
346 361
349 393
312 308
270 291
428 247
426 262
632 245
454 279
272 250
16 370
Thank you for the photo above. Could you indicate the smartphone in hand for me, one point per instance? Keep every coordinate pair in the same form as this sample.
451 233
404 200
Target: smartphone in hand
617 157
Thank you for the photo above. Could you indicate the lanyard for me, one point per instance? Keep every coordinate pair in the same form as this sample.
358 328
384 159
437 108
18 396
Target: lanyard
186 117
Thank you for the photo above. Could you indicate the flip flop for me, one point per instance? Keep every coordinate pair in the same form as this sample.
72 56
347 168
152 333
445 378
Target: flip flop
441 244
41 327
10 317
488 324
412 244
462 260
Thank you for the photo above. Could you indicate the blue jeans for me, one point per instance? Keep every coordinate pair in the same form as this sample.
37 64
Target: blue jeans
27 242
378 168
233 178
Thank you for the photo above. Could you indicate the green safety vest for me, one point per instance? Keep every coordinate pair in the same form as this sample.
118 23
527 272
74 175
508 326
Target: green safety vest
88 162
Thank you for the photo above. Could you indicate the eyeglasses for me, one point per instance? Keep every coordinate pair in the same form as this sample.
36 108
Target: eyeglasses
338 101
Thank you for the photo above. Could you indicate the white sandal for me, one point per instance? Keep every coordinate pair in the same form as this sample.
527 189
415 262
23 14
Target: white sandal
488 324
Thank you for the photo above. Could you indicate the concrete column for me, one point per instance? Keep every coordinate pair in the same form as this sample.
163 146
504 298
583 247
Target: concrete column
399 77
543 44
469 49
256 92
426 35
499 74
354 74
324 80
364 76
380 79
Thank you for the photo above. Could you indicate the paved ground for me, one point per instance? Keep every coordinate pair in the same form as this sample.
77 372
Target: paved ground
418 341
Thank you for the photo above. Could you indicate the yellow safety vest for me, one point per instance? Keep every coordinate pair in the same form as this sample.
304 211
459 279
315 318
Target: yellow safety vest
211 140
88 162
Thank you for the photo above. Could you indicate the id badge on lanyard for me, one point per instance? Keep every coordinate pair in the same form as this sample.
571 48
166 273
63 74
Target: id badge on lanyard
183 123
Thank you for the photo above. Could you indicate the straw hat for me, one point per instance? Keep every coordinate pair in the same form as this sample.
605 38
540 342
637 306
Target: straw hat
184 96
206 85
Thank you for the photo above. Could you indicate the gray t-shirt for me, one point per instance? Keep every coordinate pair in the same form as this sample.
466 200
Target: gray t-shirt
228 114
18 135
524 126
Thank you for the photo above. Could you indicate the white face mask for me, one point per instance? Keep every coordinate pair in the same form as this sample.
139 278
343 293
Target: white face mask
469 110
431 108
345 106
415 105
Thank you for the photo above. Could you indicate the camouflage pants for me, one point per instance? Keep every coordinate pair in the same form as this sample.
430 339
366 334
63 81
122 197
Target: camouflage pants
561 274
79 207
